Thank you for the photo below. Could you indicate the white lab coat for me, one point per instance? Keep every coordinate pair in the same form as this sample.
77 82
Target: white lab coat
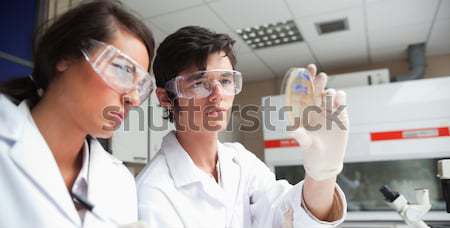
32 189
173 192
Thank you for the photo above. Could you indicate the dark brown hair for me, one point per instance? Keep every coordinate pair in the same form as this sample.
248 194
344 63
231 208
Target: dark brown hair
64 38
187 47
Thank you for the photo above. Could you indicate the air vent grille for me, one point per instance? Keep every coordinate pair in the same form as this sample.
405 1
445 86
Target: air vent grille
332 26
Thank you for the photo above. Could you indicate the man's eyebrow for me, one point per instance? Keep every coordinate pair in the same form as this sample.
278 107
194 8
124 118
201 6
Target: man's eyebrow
226 73
195 76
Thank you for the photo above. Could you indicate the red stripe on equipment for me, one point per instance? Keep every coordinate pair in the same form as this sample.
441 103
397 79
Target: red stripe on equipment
280 143
410 134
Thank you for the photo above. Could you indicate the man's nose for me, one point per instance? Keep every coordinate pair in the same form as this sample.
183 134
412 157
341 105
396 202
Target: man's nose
216 91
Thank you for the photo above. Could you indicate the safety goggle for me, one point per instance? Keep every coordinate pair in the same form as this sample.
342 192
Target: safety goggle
119 71
201 83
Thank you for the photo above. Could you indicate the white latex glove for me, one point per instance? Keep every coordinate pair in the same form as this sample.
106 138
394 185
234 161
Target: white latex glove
323 149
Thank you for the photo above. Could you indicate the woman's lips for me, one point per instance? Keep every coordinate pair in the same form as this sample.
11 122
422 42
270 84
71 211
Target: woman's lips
118 115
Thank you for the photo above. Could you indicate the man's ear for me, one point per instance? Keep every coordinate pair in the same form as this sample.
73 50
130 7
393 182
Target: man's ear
163 98
62 65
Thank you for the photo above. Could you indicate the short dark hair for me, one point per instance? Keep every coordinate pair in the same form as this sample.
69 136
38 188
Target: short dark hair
187 47
64 38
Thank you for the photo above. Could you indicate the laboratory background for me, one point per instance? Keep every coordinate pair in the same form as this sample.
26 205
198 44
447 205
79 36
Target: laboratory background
391 57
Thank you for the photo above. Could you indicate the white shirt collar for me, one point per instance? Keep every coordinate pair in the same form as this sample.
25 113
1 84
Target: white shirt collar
84 171
80 186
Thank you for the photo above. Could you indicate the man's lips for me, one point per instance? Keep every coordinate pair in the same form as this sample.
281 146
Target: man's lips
216 111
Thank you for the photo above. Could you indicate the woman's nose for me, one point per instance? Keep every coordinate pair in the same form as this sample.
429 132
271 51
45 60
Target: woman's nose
132 98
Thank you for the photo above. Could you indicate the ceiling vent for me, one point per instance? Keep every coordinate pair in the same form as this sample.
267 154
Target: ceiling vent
332 26
270 35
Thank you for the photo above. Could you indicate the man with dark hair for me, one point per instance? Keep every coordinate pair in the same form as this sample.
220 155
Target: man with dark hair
189 46
196 181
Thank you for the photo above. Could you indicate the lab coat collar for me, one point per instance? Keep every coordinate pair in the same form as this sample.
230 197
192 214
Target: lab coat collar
229 169
185 172
226 153
231 172
180 164
11 120
36 160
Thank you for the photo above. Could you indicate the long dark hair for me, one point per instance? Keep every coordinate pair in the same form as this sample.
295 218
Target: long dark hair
64 38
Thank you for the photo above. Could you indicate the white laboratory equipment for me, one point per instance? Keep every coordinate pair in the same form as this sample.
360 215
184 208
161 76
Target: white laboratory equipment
443 173
398 132
361 78
411 213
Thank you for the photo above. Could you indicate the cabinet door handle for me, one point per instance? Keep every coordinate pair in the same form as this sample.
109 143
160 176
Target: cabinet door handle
140 158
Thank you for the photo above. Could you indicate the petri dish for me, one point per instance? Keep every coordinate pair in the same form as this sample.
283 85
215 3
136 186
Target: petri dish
298 89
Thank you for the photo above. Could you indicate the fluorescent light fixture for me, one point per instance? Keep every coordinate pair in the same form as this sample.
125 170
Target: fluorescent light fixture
269 35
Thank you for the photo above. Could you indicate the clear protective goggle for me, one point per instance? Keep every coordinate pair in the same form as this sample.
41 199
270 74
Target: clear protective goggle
119 71
202 83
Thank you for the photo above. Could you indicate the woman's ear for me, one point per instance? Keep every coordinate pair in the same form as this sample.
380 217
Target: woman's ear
62 65
163 98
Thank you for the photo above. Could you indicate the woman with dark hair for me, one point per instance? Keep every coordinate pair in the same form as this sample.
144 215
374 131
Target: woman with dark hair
90 67
197 181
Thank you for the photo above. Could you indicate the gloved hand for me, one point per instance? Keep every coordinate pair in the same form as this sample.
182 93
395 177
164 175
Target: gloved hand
324 147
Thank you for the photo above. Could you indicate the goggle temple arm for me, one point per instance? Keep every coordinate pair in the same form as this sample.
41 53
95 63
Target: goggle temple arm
171 86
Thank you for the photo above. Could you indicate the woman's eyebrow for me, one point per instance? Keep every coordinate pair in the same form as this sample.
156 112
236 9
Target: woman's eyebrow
121 57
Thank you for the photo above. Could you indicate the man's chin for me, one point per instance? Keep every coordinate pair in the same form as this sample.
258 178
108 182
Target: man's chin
215 126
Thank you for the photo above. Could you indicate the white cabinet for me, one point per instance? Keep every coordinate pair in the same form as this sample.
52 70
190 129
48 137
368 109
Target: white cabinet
159 127
130 141
387 224
373 225
368 225
139 138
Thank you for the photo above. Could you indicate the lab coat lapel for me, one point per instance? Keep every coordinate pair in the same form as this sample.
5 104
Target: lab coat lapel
11 120
181 166
231 174
185 172
99 182
213 190
99 168
33 156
